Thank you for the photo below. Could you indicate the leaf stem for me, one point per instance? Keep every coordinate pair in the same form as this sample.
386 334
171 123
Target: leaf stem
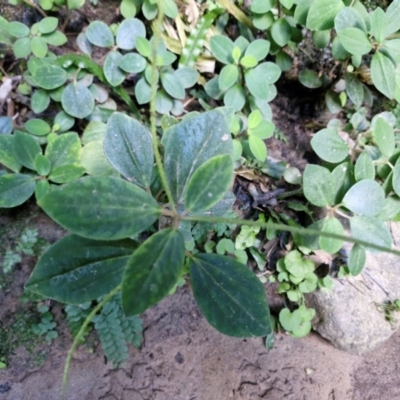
80 335
153 113
35 6
237 13
293 230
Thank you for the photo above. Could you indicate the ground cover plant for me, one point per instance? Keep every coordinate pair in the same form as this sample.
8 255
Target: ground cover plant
113 152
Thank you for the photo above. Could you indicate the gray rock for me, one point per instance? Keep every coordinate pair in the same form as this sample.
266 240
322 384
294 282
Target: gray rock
348 315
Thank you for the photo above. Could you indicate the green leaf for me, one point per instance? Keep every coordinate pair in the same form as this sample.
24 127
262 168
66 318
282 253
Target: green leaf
94 160
7 156
100 34
364 168
366 197
37 127
383 74
49 76
77 100
258 48
396 177
40 101
128 31
310 79
354 89
191 143
22 48
66 173
371 230
261 6
39 47
230 296
379 24
56 38
91 270
143 46
392 14
356 260
330 245
17 29
132 63
329 146
384 137
322 14
248 61
281 32
128 148
258 148
152 271
318 185
209 183
25 149
235 97
355 41
228 76
173 86
321 39
114 75
349 17
128 8
263 21
301 11
187 76
64 150
15 189
42 165
102 208
48 25
258 87
142 91
222 48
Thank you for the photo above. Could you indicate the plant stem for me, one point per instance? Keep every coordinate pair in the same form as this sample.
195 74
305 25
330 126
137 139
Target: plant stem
153 113
35 6
67 16
80 334
237 13
291 229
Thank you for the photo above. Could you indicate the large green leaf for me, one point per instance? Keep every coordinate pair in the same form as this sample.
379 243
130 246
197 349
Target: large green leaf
209 183
349 17
230 296
318 185
189 144
366 197
322 14
128 147
364 168
103 208
329 146
222 47
383 74
25 149
91 270
15 189
371 230
152 271
77 100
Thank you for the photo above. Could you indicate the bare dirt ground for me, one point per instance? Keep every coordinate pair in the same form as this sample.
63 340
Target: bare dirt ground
183 358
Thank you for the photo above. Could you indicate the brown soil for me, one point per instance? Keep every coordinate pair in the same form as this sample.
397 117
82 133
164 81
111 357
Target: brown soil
183 358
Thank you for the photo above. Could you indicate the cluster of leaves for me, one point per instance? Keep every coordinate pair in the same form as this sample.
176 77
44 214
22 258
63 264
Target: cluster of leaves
297 276
46 326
